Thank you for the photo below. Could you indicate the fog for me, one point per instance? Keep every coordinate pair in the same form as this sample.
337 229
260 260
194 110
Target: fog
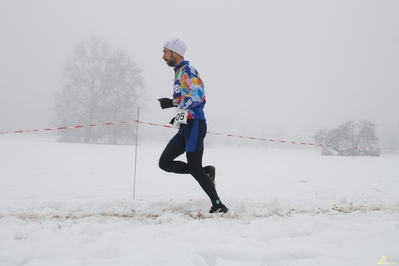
276 68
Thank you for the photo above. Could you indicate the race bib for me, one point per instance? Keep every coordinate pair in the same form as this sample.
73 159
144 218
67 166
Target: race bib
181 117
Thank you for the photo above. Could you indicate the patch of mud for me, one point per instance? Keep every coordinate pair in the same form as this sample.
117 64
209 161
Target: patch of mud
166 215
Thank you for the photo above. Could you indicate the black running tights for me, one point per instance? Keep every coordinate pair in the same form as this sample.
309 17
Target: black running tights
193 166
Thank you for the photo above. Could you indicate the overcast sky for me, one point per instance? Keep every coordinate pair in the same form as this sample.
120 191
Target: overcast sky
270 66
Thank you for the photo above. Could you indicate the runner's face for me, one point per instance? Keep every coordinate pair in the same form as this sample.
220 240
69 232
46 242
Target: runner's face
169 57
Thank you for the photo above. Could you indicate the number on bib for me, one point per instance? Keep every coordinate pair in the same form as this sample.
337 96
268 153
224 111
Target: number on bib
181 117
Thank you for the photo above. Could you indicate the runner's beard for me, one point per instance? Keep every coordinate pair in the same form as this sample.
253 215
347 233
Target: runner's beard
171 62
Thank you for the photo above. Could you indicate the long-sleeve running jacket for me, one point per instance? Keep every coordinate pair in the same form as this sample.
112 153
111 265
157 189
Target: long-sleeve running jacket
189 91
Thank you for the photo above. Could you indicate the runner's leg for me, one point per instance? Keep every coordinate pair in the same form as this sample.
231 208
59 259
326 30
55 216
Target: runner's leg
195 168
172 151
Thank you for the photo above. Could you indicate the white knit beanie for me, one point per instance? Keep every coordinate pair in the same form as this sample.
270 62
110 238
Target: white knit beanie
176 45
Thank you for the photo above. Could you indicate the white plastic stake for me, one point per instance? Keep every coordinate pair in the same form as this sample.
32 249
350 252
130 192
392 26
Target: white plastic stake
135 153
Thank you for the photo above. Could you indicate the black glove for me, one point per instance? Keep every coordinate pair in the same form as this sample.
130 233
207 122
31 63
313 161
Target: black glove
172 121
166 103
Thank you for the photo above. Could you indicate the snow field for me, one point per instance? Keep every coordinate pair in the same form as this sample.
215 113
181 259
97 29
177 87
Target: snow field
71 204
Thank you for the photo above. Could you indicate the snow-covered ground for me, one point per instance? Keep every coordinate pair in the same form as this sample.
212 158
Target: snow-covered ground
72 204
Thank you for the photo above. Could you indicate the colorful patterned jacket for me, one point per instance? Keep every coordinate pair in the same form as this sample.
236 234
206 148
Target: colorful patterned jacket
189 91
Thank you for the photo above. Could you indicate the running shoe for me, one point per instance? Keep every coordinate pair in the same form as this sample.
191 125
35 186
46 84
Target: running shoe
219 208
211 172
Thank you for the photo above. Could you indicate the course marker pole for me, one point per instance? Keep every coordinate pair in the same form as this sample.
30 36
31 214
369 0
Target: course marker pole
135 153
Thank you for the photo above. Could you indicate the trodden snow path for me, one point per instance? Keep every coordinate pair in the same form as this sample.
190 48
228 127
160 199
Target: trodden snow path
71 204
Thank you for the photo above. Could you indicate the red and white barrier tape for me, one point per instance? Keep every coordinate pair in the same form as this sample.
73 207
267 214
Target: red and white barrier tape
169 126
63 128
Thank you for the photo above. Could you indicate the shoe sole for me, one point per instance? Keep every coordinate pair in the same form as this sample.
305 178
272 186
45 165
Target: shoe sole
212 174
220 210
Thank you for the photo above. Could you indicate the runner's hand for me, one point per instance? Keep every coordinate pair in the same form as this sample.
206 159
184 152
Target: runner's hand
165 103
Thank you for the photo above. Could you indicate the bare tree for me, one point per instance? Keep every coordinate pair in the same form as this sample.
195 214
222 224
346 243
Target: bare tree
99 86
121 99
349 139
331 137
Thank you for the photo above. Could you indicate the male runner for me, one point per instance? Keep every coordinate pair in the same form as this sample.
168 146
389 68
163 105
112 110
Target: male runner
189 99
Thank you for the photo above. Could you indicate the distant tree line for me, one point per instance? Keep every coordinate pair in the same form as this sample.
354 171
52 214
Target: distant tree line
100 85
349 139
